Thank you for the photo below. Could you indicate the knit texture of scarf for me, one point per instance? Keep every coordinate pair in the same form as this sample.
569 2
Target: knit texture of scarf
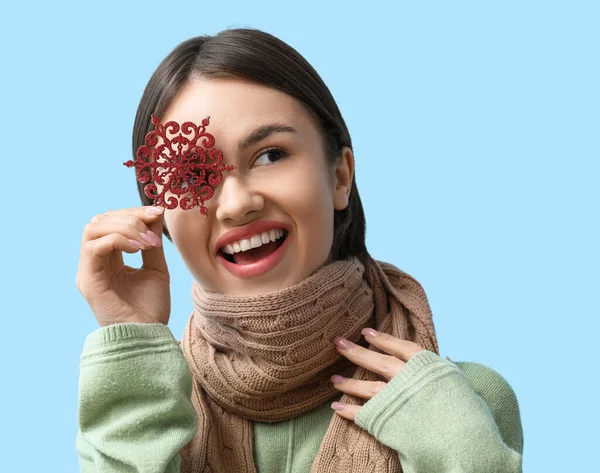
269 358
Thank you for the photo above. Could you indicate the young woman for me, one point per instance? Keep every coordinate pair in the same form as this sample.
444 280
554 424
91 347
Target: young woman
302 352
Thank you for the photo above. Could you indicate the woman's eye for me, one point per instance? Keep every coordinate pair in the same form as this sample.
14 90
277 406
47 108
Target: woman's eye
270 156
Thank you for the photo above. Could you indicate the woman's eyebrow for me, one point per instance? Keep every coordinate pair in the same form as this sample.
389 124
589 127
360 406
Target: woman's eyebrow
262 132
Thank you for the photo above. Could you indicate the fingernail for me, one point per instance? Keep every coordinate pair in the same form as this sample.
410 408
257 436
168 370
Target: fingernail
337 379
135 243
151 238
154 210
342 343
337 406
370 332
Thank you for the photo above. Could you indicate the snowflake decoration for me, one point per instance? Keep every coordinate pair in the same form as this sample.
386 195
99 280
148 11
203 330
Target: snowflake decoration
180 164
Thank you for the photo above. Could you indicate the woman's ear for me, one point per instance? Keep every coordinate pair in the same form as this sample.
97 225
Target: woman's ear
344 173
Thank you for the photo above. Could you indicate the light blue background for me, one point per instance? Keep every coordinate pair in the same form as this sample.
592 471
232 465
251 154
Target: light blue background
475 128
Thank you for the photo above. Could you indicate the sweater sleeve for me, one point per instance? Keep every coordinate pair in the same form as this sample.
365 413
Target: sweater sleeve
439 423
135 412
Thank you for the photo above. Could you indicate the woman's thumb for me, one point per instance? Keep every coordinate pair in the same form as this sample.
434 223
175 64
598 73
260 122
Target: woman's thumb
154 258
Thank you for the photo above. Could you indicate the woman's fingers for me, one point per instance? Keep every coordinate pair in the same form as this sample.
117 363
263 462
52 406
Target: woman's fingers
348 411
147 221
357 387
116 231
402 349
116 292
387 366
154 257
397 353
128 225
95 250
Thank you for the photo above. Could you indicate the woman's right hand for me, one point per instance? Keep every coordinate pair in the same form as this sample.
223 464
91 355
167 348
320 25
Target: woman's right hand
115 292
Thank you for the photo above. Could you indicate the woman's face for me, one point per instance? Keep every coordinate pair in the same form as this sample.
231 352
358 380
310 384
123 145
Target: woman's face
282 186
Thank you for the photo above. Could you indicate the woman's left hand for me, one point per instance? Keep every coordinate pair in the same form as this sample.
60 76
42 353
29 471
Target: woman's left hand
400 351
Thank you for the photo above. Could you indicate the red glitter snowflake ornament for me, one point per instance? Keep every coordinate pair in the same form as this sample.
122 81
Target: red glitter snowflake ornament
180 165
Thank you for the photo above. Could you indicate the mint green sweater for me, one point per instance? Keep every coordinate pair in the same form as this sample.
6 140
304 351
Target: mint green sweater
135 412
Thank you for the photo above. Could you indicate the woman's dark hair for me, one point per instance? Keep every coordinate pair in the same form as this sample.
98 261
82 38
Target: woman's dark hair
254 55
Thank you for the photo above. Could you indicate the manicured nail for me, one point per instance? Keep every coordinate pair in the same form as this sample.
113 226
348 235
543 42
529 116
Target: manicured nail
135 243
370 332
337 379
151 238
337 406
154 210
342 343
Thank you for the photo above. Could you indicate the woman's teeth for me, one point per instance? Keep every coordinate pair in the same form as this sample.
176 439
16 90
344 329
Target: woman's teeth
254 241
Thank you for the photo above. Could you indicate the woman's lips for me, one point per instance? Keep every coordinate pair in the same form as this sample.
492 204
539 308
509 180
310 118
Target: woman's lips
259 267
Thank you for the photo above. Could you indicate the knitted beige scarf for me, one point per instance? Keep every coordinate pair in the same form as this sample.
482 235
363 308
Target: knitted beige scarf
269 358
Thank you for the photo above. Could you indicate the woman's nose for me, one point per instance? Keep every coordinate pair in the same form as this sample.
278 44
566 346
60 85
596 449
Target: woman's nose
234 199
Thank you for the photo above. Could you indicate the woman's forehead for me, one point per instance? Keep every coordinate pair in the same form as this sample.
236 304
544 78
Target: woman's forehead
234 105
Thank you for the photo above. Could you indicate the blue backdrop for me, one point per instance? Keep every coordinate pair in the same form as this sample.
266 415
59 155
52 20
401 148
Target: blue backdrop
475 128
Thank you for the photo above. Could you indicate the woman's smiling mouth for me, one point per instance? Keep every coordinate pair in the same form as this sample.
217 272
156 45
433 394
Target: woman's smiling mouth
257 261
253 250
